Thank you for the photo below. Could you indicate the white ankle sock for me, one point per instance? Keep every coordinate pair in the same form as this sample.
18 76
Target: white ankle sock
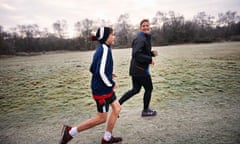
73 131
107 135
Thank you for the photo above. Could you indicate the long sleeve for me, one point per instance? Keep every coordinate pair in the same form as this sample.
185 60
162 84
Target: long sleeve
103 65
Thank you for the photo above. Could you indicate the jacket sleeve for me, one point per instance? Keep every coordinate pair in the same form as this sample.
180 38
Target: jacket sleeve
102 72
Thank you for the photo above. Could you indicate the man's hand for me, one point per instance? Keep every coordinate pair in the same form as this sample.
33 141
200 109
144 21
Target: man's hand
115 86
155 53
114 75
153 62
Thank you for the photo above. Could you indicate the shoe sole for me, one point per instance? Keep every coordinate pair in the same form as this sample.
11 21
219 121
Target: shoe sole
63 129
150 115
62 133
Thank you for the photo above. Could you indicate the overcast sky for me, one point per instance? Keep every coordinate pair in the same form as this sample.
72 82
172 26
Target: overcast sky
45 12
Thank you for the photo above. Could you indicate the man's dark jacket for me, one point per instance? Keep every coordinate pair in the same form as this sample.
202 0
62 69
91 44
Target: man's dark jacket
141 55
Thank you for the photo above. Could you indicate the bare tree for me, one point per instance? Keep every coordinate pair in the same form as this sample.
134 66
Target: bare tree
227 24
78 27
228 18
204 20
84 29
29 35
159 19
123 31
204 25
172 27
60 28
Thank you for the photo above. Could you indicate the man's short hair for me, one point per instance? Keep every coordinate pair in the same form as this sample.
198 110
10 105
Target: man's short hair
143 21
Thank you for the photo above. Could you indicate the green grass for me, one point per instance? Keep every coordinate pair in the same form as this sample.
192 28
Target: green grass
46 84
53 86
35 88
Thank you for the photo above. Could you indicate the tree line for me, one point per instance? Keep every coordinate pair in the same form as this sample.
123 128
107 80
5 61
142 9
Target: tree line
167 28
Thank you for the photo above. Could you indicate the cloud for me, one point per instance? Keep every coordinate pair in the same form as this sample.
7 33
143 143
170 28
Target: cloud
7 6
46 12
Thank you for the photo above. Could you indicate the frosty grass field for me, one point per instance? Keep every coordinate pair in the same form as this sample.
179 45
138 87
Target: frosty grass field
196 94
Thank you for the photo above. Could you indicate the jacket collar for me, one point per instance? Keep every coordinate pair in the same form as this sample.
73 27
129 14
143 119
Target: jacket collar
145 35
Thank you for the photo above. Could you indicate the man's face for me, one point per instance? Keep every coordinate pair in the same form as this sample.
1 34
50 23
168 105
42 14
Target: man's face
110 40
145 28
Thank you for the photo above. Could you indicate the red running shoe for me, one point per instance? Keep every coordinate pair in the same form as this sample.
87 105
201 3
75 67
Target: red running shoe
66 137
112 140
